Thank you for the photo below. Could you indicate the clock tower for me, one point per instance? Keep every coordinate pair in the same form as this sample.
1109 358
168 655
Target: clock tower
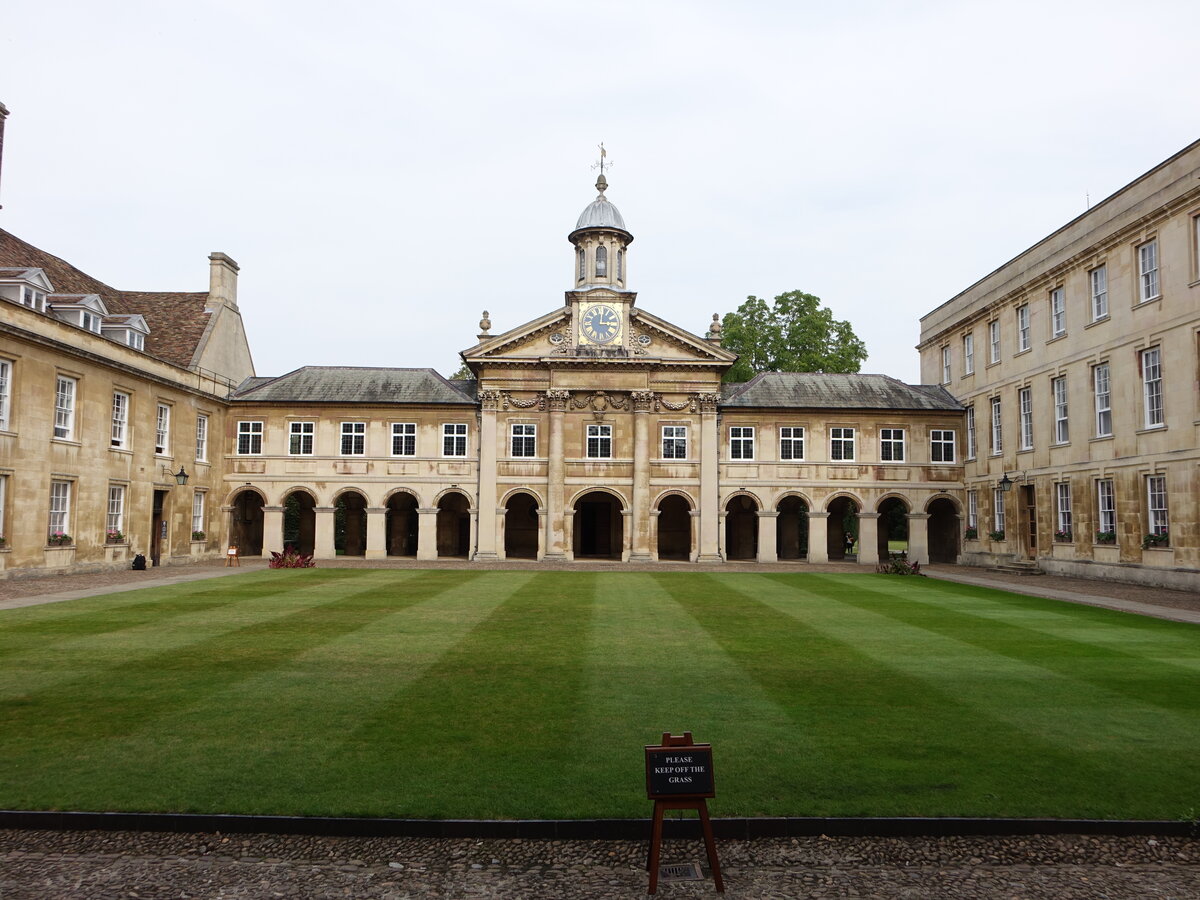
600 301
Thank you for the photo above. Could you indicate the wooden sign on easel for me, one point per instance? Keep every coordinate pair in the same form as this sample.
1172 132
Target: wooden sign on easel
679 775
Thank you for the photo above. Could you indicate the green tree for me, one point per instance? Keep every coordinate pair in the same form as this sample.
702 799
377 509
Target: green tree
793 334
463 372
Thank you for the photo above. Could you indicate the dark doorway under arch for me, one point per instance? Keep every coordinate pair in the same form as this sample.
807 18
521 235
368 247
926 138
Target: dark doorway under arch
943 531
674 528
521 523
246 525
791 529
300 522
454 525
599 526
843 524
350 524
741 528
402 525
893 527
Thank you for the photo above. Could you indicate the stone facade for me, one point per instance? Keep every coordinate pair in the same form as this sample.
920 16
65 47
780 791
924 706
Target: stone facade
1084 350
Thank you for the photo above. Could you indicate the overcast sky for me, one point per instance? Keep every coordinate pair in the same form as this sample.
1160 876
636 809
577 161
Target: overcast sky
383 172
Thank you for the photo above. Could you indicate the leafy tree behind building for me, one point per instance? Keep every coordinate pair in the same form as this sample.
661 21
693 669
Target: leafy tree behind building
792 334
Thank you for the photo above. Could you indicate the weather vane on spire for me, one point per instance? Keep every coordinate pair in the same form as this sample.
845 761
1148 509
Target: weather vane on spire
602 182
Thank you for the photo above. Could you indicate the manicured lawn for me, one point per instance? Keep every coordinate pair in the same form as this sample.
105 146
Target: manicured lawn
520 694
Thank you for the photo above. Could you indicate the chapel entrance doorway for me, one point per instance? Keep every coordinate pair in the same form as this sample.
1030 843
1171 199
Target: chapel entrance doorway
300 522
674 528
791 530
246 527
402 524
741 528
454 525
943 531
521 522
599 529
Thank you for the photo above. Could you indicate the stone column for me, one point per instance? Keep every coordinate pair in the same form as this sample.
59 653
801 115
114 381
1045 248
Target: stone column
568 535
818 537
722 533
427 532
473 539
323 539
489 402
627 526
501 525
918 538
272 530
868 538
768 522
558 542
694 547
376 532
640 521
711 519
543 520
654 514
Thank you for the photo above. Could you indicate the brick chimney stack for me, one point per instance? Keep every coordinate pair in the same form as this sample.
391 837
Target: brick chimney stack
222 280
3 116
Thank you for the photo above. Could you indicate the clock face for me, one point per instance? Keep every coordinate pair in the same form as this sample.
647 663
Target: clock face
601 324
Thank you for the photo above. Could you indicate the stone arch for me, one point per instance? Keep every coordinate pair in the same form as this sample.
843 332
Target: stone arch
521 524
453 523
522 490
246 520
892 526
231 497
954 502
598 530
300 519
674 492
401 522
350 522
943 529
445 492
791 526
674 525
613 492
741 525
842 528
396 491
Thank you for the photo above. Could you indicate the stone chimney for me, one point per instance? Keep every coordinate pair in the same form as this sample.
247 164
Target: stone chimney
222 281
3 116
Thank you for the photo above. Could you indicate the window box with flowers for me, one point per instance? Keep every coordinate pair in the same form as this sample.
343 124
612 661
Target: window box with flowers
1157 539
59 539
997 536
1064 537
972 534
1156 550
114 537
1106 537
1063 546
199 543
60 550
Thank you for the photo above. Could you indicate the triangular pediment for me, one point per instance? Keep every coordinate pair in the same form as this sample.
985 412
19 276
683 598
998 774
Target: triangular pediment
559 337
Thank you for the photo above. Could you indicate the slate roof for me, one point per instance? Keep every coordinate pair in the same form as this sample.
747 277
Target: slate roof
813 390
351 384
176 319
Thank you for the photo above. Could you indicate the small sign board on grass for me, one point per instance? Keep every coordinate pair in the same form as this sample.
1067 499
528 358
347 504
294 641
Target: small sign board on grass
678 772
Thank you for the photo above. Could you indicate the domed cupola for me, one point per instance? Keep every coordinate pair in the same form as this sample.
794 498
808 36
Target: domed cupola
600 240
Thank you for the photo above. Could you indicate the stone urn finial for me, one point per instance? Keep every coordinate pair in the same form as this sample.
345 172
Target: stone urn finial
714 330
485 324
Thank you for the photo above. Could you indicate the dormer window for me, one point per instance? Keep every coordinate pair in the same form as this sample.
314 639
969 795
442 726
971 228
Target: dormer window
601 262
34 299
89 322
135 339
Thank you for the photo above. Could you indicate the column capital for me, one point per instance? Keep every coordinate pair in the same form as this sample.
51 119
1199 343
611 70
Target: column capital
489 400
272 509
917 515
767 513
376 510
643 401
708 403
323 509
557 400
818 515
427 510
863 515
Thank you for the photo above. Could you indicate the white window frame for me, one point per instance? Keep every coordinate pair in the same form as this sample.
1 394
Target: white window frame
162 430
250 437
1025 407
353 439
1058 312
198 500
1102 394
454 439
972 434
119 437
6 370
791 442
674 442
1106 506
1152 387
1062 424
1062 503
1147 257
741 442
969 354
65 389
114 519
997 427
946 363
1098 282
599 442
998 511
994 341
201 437
404 439
60 508
973 510
1022 327
522 439
891 445
302 438
942 446
1157 518
841 444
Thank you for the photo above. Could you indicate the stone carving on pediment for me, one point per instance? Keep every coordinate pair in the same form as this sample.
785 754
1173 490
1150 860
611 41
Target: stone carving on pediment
538 400
558 401
600 401
489 400
690 404
708 402
643 401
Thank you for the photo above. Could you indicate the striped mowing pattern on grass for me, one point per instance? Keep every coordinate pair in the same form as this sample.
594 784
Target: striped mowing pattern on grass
450 693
